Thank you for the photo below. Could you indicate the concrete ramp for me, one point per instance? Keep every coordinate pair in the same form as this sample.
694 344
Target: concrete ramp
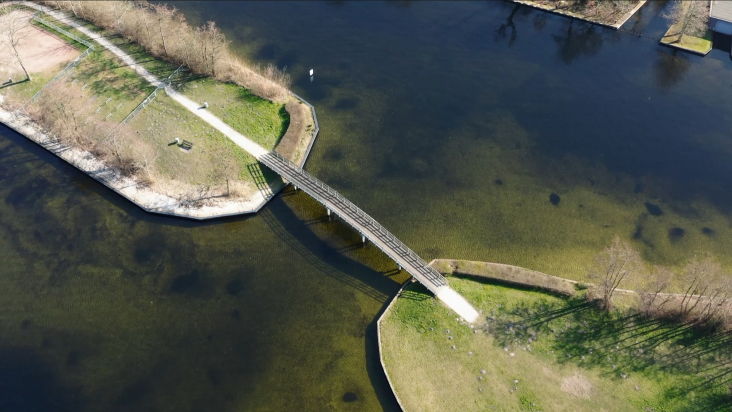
457 303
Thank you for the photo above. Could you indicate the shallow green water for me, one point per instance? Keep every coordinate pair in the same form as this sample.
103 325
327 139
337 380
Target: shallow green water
423 109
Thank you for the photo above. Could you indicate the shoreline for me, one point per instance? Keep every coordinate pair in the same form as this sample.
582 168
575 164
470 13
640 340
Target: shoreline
144 198
147 199
571 15
701 46
507 275
378 339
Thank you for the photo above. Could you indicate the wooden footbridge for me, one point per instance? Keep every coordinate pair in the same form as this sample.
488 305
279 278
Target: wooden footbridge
335 203
370 230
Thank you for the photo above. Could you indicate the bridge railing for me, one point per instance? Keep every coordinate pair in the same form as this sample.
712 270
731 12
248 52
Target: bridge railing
381 232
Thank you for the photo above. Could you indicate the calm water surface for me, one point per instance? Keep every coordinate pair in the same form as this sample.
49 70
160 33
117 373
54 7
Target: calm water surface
451 123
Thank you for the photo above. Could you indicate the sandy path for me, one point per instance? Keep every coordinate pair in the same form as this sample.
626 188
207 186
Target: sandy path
239 139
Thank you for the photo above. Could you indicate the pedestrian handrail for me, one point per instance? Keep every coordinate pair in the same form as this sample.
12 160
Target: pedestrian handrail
62 31
339 204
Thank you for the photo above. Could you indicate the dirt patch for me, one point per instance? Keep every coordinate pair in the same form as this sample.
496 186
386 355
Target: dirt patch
38 49
577 386
294 143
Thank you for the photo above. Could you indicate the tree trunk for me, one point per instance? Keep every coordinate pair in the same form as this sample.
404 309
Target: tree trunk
162 36
73 9
147 28
17 56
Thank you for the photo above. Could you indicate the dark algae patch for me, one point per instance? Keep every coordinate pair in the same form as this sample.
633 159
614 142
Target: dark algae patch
554 198
350 397
654 210
707 231
676 233
188 284
234 287
29 384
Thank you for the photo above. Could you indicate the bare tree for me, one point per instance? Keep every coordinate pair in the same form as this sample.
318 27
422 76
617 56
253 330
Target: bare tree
202 49
164 14
691 16
698 277
120 8
14 32
652 291
715 302
616 263
217 44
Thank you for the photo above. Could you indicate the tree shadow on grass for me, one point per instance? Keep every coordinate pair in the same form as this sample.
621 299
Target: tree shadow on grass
617 344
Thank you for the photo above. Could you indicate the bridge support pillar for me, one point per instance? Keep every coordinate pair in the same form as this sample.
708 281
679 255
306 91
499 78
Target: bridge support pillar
363 238
295 186
400 267
328 211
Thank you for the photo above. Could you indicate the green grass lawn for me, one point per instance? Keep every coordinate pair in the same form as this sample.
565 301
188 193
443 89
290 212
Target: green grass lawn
164 120
258 119
545 353
22 92
699 45
109 90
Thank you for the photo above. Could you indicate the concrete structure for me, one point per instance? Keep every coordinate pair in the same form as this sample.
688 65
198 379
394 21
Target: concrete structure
720 17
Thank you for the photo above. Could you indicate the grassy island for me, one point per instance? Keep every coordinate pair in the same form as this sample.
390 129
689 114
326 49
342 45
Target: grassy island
539 351
95 106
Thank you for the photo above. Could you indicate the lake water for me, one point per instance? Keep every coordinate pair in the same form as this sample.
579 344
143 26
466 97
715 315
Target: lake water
451 123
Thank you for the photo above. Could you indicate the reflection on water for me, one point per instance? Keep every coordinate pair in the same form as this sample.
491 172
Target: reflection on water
471 130
583 40
670 68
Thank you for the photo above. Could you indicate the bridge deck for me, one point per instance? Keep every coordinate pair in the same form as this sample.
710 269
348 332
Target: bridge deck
357 218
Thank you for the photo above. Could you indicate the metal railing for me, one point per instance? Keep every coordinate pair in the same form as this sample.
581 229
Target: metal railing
62 31
68 68
146 102
335 201
151 97
57 77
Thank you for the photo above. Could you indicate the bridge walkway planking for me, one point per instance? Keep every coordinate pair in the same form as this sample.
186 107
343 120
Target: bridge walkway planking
365 224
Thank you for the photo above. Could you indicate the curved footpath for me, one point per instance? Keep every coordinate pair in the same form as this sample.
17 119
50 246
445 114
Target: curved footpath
144 198
96 169
242 141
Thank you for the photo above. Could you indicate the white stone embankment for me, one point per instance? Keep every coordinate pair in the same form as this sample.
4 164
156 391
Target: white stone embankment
129 188
147 199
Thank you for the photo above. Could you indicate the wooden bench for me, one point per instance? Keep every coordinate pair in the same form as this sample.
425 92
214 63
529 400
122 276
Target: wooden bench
186 145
